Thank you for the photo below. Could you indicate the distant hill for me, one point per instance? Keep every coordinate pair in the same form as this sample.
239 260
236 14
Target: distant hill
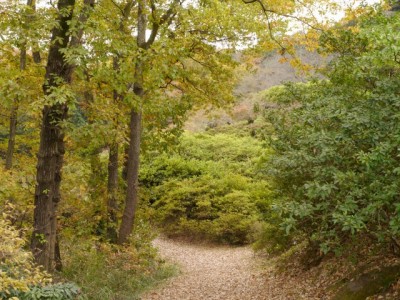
268 72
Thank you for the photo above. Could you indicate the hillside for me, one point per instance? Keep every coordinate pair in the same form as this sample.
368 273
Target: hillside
268 71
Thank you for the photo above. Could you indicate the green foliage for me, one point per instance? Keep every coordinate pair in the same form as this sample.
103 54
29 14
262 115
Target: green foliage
271 237
59 291
209 190
15 188
221 147
218 209
20 278
335 142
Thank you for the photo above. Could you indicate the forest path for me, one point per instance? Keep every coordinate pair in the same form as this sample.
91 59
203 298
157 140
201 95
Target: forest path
210 272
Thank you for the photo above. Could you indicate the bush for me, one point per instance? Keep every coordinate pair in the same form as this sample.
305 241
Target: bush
59 291
210 190
20 278
108 271
218 209
335 142
17 270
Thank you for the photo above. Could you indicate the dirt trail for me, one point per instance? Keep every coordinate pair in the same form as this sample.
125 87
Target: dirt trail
209 272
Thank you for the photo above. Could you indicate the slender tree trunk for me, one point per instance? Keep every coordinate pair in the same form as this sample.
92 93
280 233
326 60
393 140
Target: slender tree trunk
125 163
36 57
51 149
14 110
113 164
135 128
35 51
132 191
11 136
112 186
133 160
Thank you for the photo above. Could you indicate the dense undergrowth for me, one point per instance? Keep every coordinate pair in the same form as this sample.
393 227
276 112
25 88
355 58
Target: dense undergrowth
335 142
92 269
107 271
209 189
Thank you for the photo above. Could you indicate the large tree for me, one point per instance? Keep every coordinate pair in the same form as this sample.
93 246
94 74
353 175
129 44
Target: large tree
143 87
185 58
52 146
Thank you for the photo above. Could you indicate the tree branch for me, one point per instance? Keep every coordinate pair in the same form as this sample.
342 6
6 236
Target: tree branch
117 6
166 17
128 8
267 11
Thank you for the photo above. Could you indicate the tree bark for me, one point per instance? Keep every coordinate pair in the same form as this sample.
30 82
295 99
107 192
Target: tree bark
52 148
132 190
112 180
35 51
135 126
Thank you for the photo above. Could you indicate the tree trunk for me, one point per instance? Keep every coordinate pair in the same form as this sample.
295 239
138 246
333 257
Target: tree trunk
57 256
135 128
11 137
125 163
51 149
132 195
113 164
35 51
14 111
112 186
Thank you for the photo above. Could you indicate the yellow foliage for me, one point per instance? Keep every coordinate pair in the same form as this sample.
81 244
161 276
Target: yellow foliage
17 270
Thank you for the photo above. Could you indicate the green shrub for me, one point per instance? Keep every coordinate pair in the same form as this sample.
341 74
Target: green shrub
218 209
20 278
272 238
59 291
154 172
336 141
209 190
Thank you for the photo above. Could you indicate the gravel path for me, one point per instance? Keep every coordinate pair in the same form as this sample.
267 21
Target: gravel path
210 272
